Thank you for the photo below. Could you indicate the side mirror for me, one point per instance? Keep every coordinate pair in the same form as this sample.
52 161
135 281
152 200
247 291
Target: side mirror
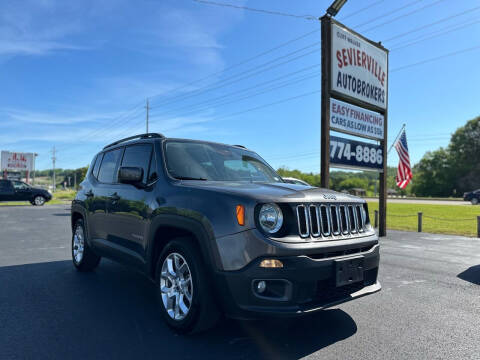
130 175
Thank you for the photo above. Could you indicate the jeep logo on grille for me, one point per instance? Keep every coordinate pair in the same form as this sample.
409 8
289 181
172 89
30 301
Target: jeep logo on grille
329 197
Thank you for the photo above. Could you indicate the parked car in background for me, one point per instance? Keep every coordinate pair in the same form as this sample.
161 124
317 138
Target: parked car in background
291 180
14 190
472 196
219 231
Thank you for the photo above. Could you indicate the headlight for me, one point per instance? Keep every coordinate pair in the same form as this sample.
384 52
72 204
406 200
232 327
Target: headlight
270 218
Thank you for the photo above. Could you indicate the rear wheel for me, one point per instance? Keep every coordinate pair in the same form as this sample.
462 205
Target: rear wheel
39 200
185 294
83 257
474 201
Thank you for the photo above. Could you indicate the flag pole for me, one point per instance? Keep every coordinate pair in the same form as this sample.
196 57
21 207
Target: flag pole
398 135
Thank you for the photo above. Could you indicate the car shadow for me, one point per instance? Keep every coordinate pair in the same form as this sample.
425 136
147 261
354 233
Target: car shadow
50 310
472 274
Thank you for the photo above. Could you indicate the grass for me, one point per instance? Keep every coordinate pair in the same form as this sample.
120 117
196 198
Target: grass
437 219
59 197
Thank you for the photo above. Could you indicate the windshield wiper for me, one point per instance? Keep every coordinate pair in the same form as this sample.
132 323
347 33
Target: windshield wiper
189 178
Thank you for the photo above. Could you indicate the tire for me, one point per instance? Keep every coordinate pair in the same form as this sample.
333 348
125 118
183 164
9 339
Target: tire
199 311
474 201
84 259
39 200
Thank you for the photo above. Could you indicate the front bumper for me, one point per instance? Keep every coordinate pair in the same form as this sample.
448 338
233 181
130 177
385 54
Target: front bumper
309 284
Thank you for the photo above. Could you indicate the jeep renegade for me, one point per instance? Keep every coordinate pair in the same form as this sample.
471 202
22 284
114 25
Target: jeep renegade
219 231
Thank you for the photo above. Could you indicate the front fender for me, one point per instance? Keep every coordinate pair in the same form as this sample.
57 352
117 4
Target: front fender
196 224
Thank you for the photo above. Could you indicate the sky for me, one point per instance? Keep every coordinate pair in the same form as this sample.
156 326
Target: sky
76 74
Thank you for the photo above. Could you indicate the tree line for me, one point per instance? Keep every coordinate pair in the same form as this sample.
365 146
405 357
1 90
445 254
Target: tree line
446 172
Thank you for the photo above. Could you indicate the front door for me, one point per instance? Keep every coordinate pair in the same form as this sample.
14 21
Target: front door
23 192
128 206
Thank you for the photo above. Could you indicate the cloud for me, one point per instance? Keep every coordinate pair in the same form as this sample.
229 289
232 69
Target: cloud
15 116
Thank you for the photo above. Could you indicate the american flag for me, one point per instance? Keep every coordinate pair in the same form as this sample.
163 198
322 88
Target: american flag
404 172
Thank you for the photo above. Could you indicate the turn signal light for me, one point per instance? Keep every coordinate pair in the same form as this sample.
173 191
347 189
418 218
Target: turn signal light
241 215
271 263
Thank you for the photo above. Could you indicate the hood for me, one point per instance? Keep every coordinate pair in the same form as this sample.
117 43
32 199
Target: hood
274 192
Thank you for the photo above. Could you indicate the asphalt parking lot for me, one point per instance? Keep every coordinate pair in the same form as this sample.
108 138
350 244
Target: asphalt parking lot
429 307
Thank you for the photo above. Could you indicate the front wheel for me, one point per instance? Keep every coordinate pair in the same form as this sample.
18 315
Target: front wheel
185 293
39 200
83 257
474 201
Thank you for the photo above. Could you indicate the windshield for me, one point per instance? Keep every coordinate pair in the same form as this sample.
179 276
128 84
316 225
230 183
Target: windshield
215 162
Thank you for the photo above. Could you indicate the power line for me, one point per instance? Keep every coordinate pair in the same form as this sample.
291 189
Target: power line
448 18
434 35
403 15
376 18
256 86
361 10
435 58
224 82
269 12
296 81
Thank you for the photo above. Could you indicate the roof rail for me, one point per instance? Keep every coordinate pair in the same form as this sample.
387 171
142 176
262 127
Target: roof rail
140 136
240 146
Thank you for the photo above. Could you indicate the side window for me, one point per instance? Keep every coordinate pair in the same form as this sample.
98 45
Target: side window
138 156
18 185
97 165
108 167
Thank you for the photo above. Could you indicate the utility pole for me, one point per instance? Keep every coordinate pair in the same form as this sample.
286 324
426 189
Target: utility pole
148 109
75 180
53 163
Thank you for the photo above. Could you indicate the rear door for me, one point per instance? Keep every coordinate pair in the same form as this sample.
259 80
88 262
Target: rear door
128 208
6 190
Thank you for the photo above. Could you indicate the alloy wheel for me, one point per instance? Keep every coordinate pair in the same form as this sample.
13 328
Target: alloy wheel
78 244
176 286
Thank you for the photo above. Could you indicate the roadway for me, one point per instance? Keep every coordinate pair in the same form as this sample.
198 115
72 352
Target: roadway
429 307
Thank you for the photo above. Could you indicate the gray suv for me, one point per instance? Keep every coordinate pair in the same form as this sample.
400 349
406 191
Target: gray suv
220 232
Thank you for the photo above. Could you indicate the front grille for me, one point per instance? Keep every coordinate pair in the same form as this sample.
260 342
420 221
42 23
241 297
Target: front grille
334 220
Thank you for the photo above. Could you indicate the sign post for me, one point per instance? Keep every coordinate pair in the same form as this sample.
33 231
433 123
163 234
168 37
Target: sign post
354 102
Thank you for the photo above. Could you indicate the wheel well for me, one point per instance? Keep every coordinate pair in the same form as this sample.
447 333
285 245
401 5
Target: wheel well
162 236
75 217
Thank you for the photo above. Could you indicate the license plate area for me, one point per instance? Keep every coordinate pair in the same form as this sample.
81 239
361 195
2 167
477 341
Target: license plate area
349 271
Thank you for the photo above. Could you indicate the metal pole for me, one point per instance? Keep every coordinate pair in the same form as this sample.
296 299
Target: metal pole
376 219
396 138
420 214
53 163
75 180
148 108
325 107
478 226
382 196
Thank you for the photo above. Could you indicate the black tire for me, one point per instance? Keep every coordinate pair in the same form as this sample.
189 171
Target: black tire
203 313
39 200
89 260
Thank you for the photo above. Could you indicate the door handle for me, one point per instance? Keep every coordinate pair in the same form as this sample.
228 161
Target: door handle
89 193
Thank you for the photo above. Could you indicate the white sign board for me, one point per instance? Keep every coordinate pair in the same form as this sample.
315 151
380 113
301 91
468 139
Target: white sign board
359 69
16 161
355 120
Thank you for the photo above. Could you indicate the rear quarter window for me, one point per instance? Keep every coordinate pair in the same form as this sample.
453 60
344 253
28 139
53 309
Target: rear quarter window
96 166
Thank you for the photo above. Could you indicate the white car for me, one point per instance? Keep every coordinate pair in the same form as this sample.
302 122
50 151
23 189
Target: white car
291 180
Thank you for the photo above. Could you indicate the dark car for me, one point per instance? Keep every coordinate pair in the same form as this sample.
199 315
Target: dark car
472 196
13 190
218 231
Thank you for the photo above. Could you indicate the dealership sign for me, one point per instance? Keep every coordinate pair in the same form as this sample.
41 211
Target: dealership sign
359 69
16 161
355 154
355 120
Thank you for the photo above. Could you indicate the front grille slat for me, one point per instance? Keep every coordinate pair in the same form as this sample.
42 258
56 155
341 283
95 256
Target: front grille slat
323 221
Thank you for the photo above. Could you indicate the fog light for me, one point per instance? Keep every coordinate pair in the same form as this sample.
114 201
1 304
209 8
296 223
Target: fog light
271 263
261 286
